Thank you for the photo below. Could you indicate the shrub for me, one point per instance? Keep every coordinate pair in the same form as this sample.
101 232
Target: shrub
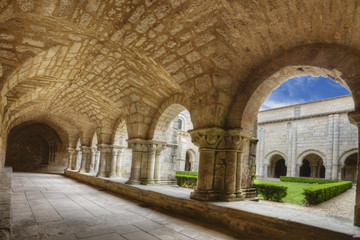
271 191
307 180
186 173
186 181
319 193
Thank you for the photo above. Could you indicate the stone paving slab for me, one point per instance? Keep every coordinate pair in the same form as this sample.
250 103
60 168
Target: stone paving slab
79 211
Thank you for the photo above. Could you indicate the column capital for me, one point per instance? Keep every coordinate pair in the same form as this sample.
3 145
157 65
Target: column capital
71 150
143 145
85 149
219 138
104 147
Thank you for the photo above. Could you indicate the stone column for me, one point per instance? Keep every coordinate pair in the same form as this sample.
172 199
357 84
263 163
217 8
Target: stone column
71 157
248 167
266 170
119 161
329 156
104 154
313 171
77 161
335 147
97 160
84 159
157 174
92 157
137 146
219 163
112 160
150 166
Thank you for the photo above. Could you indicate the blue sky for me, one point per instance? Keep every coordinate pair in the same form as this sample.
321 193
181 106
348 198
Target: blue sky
303 89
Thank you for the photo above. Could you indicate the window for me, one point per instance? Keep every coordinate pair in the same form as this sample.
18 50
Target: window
297 111
179 124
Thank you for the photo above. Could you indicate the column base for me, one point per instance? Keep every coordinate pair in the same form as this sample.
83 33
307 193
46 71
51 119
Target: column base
100 175
82 171
147 181
249 192
133 181
214 196
112 175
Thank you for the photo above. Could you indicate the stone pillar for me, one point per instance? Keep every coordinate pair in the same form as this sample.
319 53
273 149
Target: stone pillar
248 166
293 150
335 147
92 161
119 161
260 154
84 159
219 163
111 173
71 158
329 155
144 158
77 161
137 146
313 171
104 154
150 166
266 170
157 174
97 160
355 119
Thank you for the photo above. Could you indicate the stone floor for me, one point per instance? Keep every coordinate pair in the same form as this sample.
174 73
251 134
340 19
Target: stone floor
51 206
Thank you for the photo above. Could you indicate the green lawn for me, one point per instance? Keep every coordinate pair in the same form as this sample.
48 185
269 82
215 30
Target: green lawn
293 192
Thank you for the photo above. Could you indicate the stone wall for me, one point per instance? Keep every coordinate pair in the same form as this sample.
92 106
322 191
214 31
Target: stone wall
293 133
5 203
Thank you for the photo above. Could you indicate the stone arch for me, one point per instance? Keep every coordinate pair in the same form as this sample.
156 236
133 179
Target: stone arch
190 159
165 114
335 61
120 133
270 155
311 163
348 165
277 164
345 155
308 152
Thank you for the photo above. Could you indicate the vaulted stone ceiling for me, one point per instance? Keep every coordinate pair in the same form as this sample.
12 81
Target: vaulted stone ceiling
82 65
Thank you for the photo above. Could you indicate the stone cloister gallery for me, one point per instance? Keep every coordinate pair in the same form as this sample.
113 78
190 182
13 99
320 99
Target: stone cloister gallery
122 70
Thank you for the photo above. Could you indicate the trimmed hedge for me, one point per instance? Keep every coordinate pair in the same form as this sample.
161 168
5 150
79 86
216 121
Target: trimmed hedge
320 193
186 181
307 180
271 191
186 173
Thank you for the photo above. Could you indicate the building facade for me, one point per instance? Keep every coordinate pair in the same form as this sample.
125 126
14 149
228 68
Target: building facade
313 139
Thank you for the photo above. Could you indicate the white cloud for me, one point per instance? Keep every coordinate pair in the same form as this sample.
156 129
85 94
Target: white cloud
270 104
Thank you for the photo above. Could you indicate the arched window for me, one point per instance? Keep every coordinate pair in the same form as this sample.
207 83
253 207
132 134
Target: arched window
180 123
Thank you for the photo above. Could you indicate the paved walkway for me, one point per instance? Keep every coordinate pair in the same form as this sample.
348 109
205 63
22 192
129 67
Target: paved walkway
50 206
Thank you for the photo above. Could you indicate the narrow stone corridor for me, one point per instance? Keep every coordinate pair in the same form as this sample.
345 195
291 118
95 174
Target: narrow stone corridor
51 206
